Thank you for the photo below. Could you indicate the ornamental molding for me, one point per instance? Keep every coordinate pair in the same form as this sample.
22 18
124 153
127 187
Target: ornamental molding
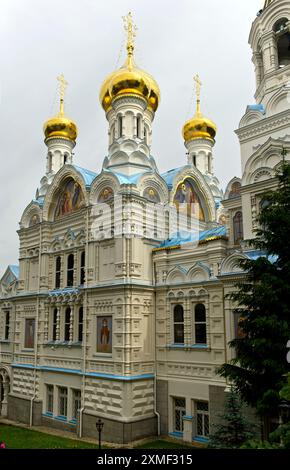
259 128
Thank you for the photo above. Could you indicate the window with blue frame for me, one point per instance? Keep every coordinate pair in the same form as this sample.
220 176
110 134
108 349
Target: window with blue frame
179 412
49 399
178 324
202 419
62 404
76 403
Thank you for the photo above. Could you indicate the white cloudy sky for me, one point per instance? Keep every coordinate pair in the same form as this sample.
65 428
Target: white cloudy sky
83 39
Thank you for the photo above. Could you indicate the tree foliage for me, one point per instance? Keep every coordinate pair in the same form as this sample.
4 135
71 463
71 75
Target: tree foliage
263 305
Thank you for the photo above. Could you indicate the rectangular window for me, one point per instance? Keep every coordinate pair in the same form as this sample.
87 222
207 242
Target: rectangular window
54 324
83 262
178 324
200 324
62 402
29 333
76 403
49 398
80 325
202 419
179 412
67 324
7 325
70 270
57 272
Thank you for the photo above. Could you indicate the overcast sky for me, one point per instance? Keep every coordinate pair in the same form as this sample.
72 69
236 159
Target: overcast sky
84 40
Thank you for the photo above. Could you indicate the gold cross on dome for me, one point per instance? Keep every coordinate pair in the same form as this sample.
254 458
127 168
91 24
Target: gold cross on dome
198 85
62 87
131 29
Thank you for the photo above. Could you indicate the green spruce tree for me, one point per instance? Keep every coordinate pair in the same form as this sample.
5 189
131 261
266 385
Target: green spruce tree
234 429
263 305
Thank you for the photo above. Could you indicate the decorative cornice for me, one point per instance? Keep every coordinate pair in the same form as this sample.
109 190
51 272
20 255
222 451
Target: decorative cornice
259 128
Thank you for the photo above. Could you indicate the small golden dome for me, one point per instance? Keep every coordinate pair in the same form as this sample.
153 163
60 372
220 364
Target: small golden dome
61 126
199 127
130 80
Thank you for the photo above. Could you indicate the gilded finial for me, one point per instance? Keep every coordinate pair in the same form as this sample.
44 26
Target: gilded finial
62 87
131 29
198 85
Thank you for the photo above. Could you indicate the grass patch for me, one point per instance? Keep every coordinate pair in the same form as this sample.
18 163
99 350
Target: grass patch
21 438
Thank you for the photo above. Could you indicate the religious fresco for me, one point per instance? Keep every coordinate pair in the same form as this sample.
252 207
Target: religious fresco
70 200
105 194
104 334
152 195
34 220
187 201
29 333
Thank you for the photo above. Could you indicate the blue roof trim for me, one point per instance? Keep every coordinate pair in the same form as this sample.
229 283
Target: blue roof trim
256 107
39 201
170 175
127 179
68 290
14 269
185 237
255 254
88 175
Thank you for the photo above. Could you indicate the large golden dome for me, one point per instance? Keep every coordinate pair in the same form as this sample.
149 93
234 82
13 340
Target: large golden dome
130 80
199 127
61 126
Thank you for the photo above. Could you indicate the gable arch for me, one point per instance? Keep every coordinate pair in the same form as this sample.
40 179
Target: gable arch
64 175
198 273
200 187
231 264
32 210
176 275
101 182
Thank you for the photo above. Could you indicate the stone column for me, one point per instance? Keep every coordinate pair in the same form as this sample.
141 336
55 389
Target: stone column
187 428
4 404
58 324
71 329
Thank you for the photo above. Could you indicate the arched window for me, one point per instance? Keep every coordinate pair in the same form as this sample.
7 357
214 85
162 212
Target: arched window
120 126
57 272
282 31
80 324
82 275
209 163
54 324
238 227
139 127
49 162
65 158
194 160
178 327
67 324
70 270
200 324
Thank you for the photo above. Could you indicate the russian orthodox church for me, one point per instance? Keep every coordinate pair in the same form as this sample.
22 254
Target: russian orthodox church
115 312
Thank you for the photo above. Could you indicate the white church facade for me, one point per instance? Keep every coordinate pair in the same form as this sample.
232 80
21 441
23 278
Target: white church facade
118 309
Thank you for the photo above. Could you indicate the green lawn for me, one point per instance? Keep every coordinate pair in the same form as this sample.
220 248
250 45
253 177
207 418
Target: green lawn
22 438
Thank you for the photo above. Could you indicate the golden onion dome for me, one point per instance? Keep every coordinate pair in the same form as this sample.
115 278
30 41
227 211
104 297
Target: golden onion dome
61 126
130 79
199 127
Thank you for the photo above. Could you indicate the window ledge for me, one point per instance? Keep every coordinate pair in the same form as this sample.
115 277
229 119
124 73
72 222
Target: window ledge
62 344
5 341
201 439
189 347
61 418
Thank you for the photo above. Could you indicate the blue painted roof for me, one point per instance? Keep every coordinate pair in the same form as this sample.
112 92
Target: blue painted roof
127 179
170 175
88 175
39 201
256 107
186 237
15 270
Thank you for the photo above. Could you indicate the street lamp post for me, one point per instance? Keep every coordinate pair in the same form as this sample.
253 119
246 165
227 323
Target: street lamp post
99 426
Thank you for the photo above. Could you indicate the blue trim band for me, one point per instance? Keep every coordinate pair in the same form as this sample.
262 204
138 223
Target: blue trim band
187 418
87 374
61 418
200 439
176 434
